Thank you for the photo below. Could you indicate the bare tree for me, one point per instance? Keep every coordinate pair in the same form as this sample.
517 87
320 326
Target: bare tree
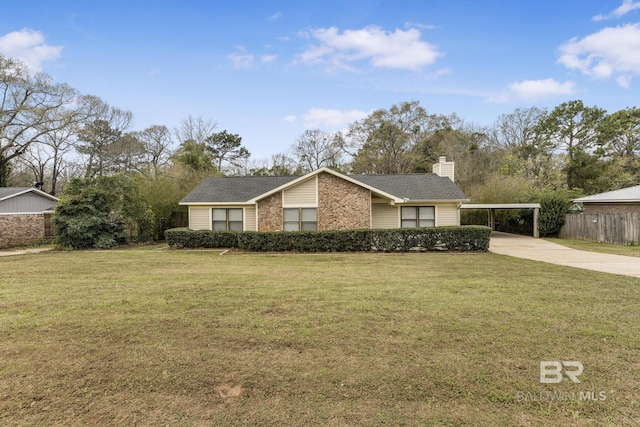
28 107
157 142
315 149
195 129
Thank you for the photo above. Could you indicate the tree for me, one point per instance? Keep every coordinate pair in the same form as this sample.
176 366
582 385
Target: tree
386 141
518 133
620 133
101 212
156 141
100 138
29 105
315 149
574 128
225 147
620 138
195 129
193 156
279 165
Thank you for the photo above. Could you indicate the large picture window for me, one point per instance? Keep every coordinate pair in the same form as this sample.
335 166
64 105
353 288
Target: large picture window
418 216
300 219
227 219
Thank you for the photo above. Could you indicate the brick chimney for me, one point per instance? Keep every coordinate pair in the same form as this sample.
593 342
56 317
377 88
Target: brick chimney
444 168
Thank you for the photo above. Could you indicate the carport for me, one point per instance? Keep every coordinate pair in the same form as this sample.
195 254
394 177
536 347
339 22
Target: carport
491 211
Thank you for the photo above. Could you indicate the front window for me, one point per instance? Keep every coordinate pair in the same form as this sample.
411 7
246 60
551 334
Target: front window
418 216
300 219
227 219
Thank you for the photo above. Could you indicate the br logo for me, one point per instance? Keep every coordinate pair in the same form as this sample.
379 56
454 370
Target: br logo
552 372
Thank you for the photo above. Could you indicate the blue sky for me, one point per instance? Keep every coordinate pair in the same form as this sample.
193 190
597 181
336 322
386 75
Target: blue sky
268 70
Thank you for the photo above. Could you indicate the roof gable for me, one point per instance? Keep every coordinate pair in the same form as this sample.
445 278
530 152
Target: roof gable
9 192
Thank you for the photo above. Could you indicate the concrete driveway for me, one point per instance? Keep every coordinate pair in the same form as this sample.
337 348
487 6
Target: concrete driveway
542 250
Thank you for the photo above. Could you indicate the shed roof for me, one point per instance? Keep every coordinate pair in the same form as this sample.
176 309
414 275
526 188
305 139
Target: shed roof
402 187
624 195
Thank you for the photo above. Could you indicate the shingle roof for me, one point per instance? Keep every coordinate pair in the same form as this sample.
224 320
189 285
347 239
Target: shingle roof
629 194
427 186
234 189
424 186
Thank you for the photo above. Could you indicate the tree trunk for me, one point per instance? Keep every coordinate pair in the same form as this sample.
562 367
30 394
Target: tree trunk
5 171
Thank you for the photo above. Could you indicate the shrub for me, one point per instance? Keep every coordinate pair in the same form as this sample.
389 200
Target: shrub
466 238
101 212
553 208
185 238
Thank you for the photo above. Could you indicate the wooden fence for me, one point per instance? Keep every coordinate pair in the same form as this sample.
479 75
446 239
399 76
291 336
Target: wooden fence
618 229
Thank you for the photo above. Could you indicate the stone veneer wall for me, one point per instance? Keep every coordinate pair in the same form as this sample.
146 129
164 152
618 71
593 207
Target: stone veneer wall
611 208
18 229
342 205
270 213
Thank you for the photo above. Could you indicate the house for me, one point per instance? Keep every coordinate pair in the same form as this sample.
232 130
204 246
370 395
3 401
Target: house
626 200
25 215
326 200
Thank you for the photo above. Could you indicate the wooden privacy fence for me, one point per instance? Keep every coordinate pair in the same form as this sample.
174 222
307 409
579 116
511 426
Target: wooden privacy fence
618 229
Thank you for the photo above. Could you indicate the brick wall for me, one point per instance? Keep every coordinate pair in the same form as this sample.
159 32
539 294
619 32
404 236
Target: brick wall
614 208
21 228
342 205
270 213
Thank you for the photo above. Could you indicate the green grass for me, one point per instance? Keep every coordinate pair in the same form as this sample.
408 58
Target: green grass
604 248
192 338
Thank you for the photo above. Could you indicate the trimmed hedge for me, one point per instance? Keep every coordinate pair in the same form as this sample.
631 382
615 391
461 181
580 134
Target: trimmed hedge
465 238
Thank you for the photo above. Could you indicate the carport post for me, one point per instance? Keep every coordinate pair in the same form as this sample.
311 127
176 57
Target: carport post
536 232
492 220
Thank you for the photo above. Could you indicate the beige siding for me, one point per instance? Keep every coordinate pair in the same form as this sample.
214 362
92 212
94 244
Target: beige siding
303 194
199 218
384 216
250 219
445 169
447 215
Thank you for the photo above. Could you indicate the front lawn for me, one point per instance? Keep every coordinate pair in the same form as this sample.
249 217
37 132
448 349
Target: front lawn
604 248
180 338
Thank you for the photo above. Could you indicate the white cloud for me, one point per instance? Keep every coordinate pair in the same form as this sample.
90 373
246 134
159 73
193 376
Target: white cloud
399 49
533 90
290 118
626 7
275 16
329 119
624 81
439 73
28 46
239 60
268 58
612 50
419 26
